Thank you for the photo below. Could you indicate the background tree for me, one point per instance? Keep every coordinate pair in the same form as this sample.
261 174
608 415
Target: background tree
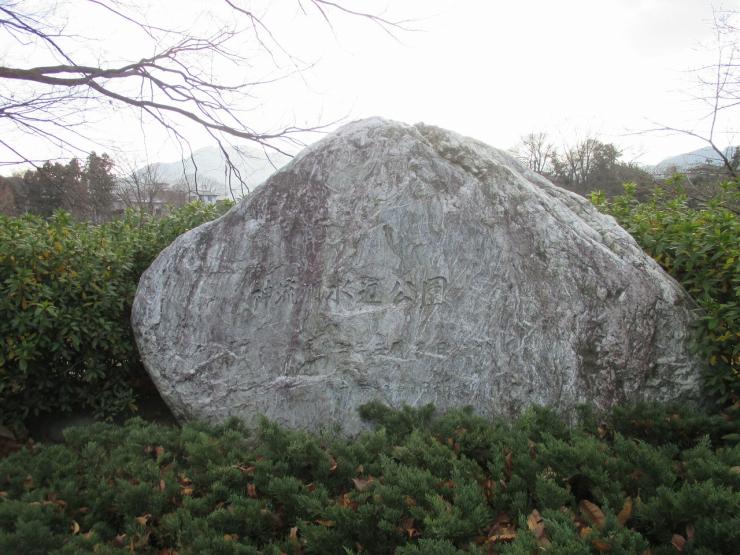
171 77
99 185
55 186
592 165
573 167
536 151
12 196
143 190
84 190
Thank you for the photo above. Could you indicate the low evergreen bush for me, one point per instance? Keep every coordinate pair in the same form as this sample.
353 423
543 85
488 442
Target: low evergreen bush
419 483
699 247
66 290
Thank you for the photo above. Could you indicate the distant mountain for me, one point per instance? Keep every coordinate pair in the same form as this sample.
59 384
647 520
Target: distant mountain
689 160
253 165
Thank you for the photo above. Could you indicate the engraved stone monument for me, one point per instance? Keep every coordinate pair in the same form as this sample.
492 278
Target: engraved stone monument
411 265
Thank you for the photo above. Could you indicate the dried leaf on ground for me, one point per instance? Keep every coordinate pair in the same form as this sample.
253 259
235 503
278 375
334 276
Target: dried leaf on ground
592 513
361 484
407 525
509 468
626 513
601 546
678 541
503 529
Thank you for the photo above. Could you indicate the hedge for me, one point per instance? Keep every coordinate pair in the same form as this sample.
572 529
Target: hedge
641 480
66 290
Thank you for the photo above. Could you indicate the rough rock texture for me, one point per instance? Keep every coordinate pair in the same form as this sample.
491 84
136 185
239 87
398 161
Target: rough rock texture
411 265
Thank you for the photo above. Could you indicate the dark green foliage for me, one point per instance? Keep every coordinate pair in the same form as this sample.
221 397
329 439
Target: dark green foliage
66 290
435 485
700 247
85 189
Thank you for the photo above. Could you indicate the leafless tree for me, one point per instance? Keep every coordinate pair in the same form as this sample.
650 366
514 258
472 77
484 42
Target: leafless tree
140 189
179 80
719 85
536 151
576 163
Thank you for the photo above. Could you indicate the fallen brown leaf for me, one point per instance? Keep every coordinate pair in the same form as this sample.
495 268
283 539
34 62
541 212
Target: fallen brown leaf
505 534
143 519
601 546
245 469
503 529
361 484
251 490
678 541
626 513
346 501
407 525
293 534
509 465
231 537
535 523
325 523
75 527
592 512
690 531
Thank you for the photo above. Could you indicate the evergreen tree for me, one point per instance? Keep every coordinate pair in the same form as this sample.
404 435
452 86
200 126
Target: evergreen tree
100 183
54 186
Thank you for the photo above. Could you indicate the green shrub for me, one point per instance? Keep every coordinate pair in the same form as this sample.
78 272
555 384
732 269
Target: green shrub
700 247
66 290
451 484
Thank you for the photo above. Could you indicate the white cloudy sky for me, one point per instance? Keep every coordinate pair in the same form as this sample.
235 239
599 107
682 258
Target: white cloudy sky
494 70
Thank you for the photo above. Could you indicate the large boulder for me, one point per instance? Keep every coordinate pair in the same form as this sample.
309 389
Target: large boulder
410 265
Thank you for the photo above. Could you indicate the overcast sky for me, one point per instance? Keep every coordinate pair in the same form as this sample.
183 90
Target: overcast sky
494 70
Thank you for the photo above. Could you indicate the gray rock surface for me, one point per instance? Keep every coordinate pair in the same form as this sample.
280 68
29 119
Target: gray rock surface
411 265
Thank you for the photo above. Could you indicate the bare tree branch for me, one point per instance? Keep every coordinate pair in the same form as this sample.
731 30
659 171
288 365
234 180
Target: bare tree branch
722 87
173 84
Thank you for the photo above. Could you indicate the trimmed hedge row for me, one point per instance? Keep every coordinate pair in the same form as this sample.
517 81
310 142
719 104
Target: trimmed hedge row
66 290
640 480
